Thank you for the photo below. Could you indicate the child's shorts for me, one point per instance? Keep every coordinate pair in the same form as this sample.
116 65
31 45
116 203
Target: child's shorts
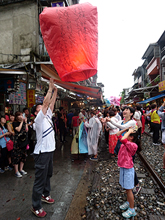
126 179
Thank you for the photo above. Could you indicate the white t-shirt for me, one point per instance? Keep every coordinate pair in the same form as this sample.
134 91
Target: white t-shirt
44 132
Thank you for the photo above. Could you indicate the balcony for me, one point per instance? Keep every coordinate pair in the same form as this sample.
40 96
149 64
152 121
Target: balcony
153 66
163 52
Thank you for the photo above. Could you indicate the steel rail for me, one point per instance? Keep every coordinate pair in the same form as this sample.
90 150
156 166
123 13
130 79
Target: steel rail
152 171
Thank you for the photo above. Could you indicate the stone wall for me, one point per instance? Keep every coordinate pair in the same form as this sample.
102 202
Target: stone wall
19 31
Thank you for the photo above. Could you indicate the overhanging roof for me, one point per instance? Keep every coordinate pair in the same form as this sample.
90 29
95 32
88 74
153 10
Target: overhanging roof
149 50
162 38
152 98
49 71
142 90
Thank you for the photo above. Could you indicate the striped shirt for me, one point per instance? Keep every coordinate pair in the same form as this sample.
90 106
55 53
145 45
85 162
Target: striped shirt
44 132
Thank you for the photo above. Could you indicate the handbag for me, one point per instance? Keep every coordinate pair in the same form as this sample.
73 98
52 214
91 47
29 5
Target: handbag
9 144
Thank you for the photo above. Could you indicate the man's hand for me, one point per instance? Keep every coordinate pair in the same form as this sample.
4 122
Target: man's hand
51 84
54 88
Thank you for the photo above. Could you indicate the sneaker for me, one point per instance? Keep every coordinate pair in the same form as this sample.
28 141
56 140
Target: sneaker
23 172
47 199
129 213
124 206
1 171
94 159
156 144
7 168
18 174
40 213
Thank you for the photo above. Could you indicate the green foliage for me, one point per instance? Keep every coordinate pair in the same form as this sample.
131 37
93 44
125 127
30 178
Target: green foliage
157 79
122 94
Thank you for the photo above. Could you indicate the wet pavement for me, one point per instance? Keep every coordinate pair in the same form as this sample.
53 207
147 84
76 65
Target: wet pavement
15 193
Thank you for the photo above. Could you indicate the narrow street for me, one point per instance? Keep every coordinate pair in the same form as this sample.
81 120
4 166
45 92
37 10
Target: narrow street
16 192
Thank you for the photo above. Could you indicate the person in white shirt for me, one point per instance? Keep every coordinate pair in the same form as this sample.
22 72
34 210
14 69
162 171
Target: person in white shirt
127 123
112 133
43 151
117 116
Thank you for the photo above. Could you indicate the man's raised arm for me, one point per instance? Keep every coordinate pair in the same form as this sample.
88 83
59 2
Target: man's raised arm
47 98
53 99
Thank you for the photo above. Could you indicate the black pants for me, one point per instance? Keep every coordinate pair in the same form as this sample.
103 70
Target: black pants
139 132
155 128
107 136
62 133
43 173
117 148
3 159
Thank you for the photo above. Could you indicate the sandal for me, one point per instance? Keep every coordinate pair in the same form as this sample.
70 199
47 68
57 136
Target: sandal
129 213
124 206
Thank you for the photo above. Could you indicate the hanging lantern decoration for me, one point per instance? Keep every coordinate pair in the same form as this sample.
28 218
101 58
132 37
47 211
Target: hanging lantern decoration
71 38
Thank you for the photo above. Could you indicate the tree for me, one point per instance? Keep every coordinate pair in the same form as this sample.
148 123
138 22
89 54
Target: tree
122 94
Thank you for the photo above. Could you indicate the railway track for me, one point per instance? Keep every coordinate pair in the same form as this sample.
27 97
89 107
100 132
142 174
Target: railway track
151 169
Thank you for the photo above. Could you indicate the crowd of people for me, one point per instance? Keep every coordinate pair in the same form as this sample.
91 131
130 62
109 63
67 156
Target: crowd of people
38 132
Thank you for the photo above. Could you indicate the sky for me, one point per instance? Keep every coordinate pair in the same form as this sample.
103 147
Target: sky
125 30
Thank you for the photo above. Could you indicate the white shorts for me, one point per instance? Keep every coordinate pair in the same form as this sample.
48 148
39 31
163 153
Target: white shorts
163 136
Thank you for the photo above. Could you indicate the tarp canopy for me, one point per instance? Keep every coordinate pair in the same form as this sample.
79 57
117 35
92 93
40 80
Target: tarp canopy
71 38
48 71
152 98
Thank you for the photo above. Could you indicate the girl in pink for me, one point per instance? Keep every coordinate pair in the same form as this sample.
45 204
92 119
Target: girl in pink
129 146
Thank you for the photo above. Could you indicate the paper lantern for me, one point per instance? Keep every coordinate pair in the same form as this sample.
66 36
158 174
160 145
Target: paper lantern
71 38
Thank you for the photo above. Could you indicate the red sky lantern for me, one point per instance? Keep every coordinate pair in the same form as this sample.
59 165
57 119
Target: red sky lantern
71 38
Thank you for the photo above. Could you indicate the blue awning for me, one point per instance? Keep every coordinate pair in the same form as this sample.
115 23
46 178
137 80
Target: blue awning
152 98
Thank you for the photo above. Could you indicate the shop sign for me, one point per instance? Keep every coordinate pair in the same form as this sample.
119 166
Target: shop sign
30 98
146 95
136 99
162 86
19 97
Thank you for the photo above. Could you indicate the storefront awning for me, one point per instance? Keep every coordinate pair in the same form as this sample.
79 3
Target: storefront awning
152 98
48 71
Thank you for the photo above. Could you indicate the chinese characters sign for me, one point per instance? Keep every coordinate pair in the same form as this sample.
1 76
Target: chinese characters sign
162 86
30 98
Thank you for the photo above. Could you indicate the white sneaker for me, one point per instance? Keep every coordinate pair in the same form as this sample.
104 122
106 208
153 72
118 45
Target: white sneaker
23 172
18 174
